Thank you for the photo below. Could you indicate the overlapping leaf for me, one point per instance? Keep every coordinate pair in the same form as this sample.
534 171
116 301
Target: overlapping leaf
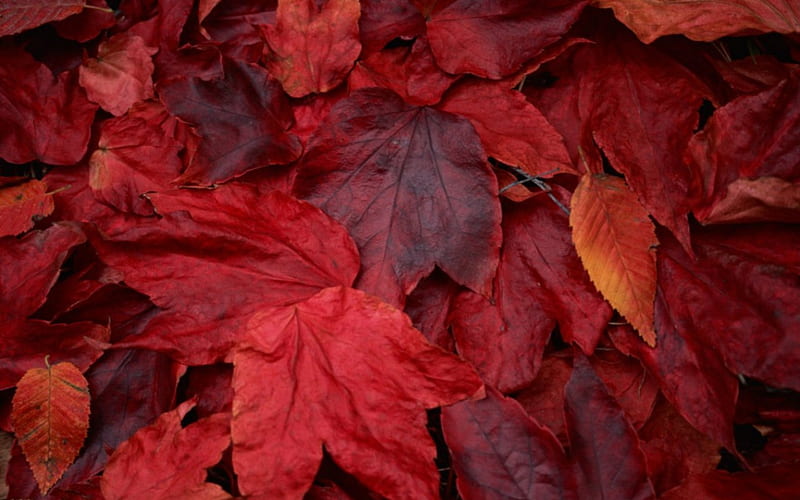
26 14
20 204
412 187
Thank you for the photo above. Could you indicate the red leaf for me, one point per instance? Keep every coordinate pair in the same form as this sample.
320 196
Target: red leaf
500 452
23 15
603 443
313 44
50 415
133 158
45 117
698 20
493 38
540 281
659 99
346 371
512 130
241 117
778 481
413 188
737 283
28 269
384 20
120 75
627 380
21 204
164 460
615 238
544 398
241 252
739 169
674 449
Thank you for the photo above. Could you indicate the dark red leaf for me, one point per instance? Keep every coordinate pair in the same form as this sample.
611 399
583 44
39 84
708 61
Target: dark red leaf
746 173
241 117
779 481
603 444
412 186
500 452
493 38
544 398
540 281
627 380
343 370
382 21
45 117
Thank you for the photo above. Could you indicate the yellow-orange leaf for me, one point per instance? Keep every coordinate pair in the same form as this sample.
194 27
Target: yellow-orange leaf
50 415
20 203
615 240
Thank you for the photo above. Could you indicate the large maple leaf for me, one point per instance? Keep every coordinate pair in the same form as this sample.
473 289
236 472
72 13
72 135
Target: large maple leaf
217 257
343 370
412 186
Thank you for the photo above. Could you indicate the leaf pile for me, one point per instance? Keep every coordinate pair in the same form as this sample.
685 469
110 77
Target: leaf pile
400 249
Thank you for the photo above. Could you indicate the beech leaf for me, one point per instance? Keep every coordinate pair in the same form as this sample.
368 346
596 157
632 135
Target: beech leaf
50 415
20 204
615 238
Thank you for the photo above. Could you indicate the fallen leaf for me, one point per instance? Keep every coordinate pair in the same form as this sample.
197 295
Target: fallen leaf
21 204
412 187
50 415
345 371
615 238
313 45
26 14
164 460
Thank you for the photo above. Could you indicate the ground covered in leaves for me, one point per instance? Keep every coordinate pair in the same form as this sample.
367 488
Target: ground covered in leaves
333 249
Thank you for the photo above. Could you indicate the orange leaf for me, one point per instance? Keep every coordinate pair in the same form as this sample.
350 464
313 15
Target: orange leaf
20 203
615 238
50 415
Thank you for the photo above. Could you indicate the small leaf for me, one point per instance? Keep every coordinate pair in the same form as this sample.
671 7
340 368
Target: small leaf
50 415
614 238
22 15
20 203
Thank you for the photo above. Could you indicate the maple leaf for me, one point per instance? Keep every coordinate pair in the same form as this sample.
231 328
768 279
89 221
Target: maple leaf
343 370
497 447
313 45
120 75
20 204
26 14
271 250
698 20
164 460
614 239
50 415
412 186
242 118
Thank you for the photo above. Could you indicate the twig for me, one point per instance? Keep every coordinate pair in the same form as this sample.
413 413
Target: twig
536 181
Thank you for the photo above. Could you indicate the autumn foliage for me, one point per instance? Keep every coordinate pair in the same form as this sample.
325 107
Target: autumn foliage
335 249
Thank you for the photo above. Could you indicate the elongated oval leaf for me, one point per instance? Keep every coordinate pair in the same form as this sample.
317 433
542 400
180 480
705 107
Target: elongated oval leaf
50 415
614 238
